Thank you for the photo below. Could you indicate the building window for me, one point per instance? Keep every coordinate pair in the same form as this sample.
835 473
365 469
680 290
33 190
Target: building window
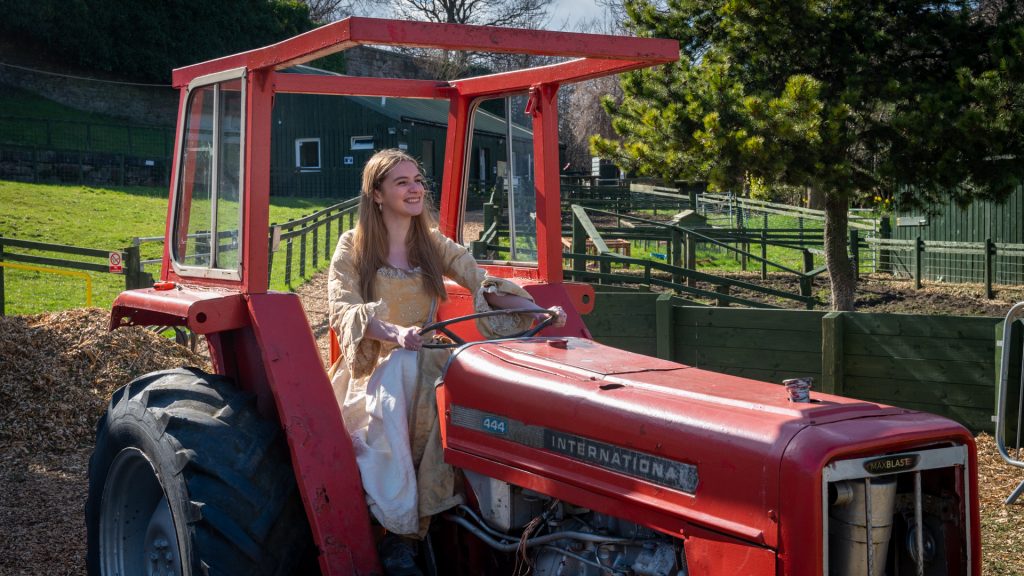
307 154
362 142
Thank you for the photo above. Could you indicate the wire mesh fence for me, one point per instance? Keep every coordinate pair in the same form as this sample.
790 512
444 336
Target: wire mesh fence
72 152
986 263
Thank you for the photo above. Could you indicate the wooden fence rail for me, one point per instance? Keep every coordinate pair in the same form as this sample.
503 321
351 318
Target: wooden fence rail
125 261
682 255
743 207
312 237
307 232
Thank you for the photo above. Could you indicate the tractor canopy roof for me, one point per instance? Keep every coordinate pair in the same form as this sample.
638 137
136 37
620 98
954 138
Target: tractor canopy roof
592 55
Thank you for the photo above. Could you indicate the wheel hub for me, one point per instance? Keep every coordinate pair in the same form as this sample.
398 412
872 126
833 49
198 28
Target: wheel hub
137 534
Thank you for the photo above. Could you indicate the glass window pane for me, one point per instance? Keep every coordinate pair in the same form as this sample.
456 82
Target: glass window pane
192 238
208 201
229 174
523 210
501 204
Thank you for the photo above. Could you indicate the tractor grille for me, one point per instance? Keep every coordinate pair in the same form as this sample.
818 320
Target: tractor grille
874 509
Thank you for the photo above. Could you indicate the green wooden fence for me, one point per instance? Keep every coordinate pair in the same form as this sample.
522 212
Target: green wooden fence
940 364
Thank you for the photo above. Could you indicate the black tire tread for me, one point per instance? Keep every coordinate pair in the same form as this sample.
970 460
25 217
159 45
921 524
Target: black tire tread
236 466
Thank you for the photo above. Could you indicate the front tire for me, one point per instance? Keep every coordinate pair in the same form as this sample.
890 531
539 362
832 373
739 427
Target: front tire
186 479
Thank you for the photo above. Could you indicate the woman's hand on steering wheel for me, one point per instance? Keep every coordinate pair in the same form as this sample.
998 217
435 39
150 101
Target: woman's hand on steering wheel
409 338
549 315
559 319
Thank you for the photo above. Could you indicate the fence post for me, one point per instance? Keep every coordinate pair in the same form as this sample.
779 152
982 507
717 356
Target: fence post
579 246
3 302
132 268
316 243
832 353
327 237
990 252
288 264
918 256
855 251
302 256
764 251
677 253
272 241
691 258
664 326
724 290
741 224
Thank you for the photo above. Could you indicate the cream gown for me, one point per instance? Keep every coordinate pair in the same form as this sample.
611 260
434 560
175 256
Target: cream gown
386 393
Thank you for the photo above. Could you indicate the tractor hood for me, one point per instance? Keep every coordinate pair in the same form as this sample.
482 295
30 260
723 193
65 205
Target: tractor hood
650 440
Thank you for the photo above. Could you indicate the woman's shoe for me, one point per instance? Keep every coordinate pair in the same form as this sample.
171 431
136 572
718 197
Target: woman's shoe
398 555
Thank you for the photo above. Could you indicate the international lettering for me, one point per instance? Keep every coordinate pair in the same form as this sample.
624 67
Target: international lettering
656 469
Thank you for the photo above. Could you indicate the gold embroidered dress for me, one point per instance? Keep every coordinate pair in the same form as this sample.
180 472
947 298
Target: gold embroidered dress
386 393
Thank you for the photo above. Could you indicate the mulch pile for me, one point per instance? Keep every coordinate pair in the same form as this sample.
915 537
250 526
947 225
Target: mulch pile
57 372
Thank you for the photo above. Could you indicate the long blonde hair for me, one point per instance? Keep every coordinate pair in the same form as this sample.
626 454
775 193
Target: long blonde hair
371 236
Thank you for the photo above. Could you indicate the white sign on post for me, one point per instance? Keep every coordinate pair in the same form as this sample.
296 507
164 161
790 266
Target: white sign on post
115 263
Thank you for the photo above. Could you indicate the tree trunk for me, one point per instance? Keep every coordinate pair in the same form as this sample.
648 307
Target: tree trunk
837 259
815 199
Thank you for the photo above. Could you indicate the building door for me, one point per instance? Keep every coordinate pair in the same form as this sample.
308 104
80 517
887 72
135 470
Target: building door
427 157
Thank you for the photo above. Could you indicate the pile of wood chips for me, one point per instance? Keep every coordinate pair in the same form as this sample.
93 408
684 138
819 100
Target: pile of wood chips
57 373
1002 526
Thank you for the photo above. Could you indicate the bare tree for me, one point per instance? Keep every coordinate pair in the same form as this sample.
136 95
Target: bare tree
507 13
510 13
580 113
325 11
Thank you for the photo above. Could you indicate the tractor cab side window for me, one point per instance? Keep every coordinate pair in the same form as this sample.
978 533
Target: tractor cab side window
501 203
208 196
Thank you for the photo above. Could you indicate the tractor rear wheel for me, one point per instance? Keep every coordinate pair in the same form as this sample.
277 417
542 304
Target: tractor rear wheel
187 479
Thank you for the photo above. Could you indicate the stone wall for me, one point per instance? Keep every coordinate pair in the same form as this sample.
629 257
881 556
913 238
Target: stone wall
375 62
140 104
158 105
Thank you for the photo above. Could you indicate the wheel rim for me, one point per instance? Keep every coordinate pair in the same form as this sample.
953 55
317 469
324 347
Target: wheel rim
137 533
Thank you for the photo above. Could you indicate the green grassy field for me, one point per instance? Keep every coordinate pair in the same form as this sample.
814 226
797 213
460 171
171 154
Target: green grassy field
106 219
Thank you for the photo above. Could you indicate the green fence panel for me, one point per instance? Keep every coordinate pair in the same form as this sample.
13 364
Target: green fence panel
625 320
769 345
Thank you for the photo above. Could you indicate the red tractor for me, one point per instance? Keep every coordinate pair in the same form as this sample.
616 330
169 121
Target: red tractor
577 458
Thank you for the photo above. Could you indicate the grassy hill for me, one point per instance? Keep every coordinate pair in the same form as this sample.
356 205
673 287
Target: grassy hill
101 218
29 120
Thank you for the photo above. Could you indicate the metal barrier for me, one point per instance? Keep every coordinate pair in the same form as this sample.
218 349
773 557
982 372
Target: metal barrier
1015 314
83 275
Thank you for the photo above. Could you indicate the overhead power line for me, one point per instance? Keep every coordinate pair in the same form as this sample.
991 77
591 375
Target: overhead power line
37 71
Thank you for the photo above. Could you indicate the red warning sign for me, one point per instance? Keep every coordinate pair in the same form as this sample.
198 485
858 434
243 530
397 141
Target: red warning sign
115 263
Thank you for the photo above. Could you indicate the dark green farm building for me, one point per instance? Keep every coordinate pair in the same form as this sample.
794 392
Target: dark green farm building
320 143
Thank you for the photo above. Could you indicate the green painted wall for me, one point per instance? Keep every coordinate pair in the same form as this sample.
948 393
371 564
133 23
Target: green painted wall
334 120
1002 222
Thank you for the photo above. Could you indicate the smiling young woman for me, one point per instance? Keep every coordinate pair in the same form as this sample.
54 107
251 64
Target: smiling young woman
386 280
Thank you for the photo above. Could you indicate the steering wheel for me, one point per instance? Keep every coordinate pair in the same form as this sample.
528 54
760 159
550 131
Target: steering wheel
442 326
